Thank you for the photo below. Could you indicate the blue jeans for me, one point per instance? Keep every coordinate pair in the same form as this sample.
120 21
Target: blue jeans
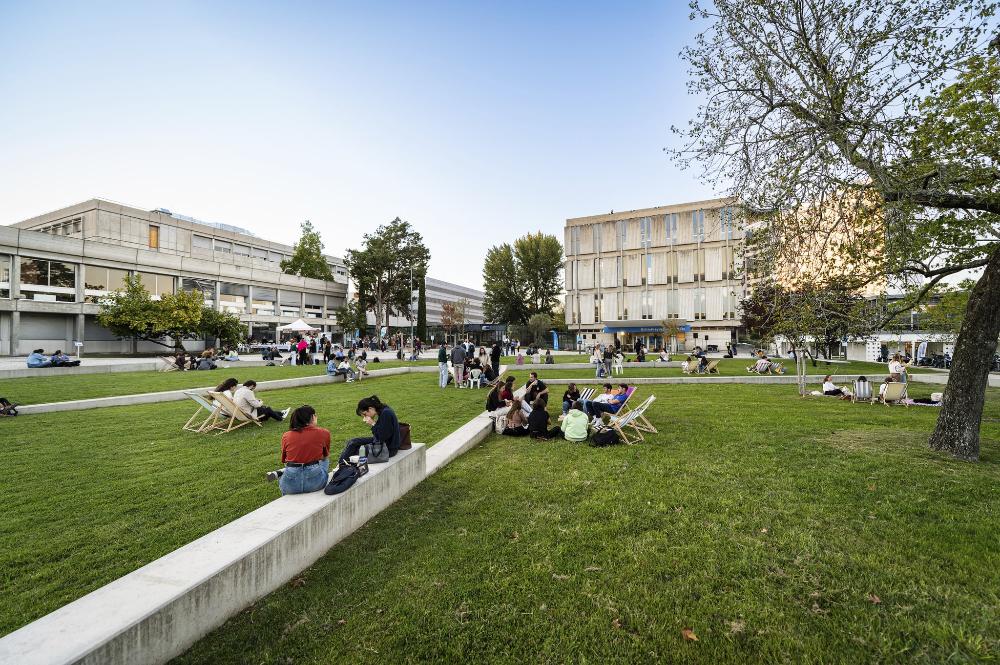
302 479
566 407
354 445
442 375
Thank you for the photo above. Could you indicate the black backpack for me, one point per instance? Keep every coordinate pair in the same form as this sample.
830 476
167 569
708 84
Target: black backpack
606 437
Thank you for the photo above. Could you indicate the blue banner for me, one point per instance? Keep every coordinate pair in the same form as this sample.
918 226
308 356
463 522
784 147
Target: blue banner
555 341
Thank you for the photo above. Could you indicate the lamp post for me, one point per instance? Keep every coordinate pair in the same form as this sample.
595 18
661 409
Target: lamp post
412 341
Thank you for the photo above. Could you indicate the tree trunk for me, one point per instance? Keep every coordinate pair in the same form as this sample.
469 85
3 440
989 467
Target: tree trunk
957 428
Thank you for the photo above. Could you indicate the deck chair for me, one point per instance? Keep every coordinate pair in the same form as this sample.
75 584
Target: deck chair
895 393
712 368
237 418
623 425
587 394
209 413
640 422
628 395
862 391
168 364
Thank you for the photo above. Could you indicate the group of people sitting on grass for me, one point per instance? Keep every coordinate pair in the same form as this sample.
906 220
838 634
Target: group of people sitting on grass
467 364
37 359
528 415
340 365
305 449
206 360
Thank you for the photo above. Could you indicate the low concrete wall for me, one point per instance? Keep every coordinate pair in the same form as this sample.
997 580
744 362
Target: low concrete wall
465 438
588 365
157 612
40 372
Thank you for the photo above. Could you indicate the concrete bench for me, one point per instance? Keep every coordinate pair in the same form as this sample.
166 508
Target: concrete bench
158 611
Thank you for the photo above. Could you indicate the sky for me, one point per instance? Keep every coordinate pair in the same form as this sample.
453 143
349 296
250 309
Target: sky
476 122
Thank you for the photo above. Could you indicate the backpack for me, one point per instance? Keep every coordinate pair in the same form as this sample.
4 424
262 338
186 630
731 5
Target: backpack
343 478
605 437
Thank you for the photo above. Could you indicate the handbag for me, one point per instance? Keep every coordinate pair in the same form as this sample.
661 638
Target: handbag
404 436
378 452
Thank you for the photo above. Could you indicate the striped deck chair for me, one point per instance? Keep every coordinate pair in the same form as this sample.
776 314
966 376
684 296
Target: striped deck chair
712 368
210 413
640 422
168 364
623 425
237 418
588 394
894 393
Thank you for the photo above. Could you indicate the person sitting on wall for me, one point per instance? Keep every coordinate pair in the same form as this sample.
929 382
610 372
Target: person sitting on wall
37 359
60 359
664 356
384 424
549 360
344 370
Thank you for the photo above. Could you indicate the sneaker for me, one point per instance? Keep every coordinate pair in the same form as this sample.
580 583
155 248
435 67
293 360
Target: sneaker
284 414
272 476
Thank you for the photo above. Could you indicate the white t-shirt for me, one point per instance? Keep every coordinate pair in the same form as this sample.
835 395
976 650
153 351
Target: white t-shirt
829 386
896 367
603 398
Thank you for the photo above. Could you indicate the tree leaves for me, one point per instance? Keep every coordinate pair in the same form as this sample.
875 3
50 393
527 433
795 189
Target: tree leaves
523 279
307 256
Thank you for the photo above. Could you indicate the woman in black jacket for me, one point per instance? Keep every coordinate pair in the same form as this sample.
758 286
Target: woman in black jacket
538 422
384 424
571 395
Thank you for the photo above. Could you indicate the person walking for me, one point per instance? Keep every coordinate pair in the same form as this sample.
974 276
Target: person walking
458 363
495 353
442 365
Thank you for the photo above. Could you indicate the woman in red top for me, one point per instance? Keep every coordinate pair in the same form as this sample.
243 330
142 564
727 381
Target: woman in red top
305 452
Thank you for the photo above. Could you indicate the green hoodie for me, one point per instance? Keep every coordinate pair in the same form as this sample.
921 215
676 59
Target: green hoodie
574 425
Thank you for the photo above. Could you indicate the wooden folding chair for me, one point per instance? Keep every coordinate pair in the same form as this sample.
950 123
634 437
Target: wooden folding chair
894 393
168 364
587 394
210 411
640 422
712 368
237 416
620 425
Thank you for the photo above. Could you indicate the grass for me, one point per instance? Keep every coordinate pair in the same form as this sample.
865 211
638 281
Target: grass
778 529
52 387
92 495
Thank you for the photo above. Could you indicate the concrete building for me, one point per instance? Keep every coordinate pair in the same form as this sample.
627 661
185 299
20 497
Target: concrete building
55 267
438 293
629 273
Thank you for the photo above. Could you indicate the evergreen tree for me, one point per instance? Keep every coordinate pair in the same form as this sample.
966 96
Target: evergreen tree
307 257
422 310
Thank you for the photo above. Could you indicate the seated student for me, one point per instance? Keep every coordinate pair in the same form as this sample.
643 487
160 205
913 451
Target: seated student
205 362
829 388
507 392
60 359
38 359
574 425
305 454
245 398
762 366
549 359
571 395
7 408
517 421
362 365
618 397
180 361
688 365
885 386
230 355
535 389
489 373
702 363
520 358
343 369
640 357
384 424
494 401
538 422
229 387
664 356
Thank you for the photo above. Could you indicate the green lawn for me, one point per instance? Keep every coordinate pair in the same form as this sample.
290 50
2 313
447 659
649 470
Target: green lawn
53 387
91 495
778 529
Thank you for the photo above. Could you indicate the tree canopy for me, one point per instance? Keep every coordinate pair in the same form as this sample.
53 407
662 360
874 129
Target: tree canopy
523 279
865 130
307 256
382 267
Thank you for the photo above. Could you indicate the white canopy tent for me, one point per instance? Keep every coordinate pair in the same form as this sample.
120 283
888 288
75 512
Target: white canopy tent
297 326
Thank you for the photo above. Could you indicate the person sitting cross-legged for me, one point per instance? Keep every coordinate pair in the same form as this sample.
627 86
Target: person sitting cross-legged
60 359
538 422
574 424
571 395
831 389
517 421
38 359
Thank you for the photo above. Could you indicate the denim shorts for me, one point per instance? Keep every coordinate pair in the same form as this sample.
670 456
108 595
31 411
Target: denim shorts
302 479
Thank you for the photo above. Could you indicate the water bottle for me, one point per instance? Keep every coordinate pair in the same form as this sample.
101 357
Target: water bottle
362 456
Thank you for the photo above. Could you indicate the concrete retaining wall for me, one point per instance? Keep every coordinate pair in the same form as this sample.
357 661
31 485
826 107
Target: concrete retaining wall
40 372
160 610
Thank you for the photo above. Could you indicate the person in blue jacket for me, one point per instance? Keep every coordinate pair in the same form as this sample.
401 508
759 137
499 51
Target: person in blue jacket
37 359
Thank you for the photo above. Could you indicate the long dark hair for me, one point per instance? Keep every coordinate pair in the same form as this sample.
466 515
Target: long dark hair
228 384
301 417
372 402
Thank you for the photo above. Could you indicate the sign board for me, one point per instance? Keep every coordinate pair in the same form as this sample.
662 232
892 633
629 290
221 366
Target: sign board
78 344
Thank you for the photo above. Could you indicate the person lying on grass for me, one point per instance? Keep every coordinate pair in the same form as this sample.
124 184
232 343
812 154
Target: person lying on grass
305 454
574 425
538 422
832 390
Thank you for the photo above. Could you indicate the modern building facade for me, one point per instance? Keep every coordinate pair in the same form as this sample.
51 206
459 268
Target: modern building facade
632 274
438 293
55 267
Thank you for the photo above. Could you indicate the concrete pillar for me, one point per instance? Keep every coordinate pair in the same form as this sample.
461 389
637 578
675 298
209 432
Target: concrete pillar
80 329
218 296
15 277
81 284
249 303
15 330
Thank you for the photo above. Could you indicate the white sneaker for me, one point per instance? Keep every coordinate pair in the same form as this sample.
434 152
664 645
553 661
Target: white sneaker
284 414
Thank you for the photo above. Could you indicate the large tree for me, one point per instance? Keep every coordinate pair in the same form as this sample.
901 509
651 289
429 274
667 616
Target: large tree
868 128
384 264
523 279
307 256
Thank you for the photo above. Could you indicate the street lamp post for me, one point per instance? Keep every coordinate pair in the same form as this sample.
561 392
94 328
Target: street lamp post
412 341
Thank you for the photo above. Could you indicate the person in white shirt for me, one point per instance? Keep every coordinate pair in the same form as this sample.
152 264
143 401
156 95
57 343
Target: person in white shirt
248 402
344 368
609 392
885 386
830 388
897 368
664 356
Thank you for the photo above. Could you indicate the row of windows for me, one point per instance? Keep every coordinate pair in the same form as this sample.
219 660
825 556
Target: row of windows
647 237
651 268
642 306
65 228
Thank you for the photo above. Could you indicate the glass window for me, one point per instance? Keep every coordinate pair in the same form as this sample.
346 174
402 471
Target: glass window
4 277
49 280
157 285
34 271
263 300
241 250
699 304
275 256
99 281
314 306
259 253
233 297
154 237
670 222
698 226
699 265
224 246
201 242
726 216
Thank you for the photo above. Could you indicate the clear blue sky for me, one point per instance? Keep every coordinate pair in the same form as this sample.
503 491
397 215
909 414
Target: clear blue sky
476 122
